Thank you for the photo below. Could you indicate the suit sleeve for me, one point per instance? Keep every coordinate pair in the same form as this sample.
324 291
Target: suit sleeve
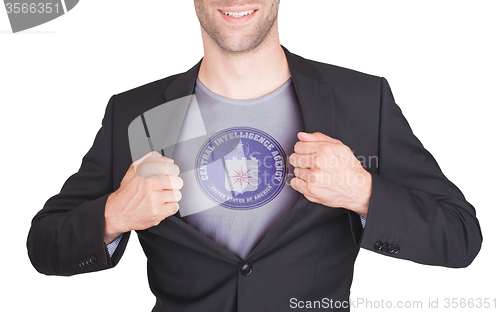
67 235
415 212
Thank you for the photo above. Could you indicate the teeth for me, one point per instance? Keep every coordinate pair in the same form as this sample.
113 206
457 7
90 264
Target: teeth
239 14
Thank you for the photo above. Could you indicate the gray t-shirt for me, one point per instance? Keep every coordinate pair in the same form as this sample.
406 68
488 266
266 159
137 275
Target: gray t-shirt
233 156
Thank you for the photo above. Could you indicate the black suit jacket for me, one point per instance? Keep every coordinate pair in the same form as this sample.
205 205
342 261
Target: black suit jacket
415 212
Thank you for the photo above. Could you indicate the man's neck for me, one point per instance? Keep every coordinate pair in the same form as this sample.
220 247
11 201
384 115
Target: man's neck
244 76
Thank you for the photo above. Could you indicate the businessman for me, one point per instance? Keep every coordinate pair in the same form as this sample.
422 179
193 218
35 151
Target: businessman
280 160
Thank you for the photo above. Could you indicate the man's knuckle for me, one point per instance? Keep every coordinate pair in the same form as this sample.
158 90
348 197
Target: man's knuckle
311 198
155 210
146 184
311 189
179 182
317 162
296 146
172 169
151 197
311 178
177 195
324 148
171 208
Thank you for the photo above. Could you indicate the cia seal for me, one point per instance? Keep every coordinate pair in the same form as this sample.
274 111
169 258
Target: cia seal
241 168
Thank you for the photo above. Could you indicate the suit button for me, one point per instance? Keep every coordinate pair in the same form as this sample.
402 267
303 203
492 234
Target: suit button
390 249
378 245
393 249
83 264
384 247
93 260
246 269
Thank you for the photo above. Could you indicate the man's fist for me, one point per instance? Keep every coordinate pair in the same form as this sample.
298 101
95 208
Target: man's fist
328 173
148 194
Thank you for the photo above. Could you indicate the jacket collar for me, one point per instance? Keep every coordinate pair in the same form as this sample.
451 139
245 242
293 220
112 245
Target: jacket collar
315 98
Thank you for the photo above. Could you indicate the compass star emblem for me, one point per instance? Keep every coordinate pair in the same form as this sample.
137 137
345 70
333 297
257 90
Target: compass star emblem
241 176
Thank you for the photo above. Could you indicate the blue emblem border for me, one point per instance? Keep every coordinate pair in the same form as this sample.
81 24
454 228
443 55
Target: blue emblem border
209 142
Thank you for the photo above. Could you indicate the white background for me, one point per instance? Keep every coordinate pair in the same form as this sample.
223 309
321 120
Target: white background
440 57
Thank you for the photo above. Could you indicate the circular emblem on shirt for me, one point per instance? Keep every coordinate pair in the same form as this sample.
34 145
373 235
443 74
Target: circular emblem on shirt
241 168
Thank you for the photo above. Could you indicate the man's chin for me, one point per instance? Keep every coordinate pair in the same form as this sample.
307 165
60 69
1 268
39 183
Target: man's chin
240 44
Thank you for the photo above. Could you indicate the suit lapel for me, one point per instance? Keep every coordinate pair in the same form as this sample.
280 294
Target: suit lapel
315 98
318 109
183 85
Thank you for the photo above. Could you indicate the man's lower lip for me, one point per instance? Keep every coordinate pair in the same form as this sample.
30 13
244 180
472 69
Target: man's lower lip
237 20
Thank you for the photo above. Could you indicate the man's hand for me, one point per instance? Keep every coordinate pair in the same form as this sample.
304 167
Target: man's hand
148 193
328 173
